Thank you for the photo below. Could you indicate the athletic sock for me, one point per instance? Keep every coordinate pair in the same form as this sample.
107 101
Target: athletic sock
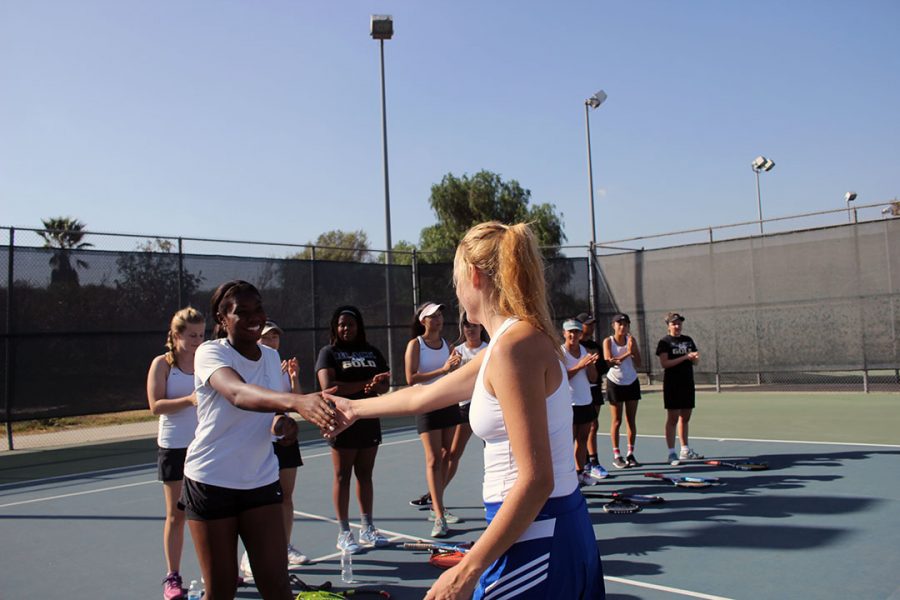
671 450
593 459
616 453
630 449
366 520
345 525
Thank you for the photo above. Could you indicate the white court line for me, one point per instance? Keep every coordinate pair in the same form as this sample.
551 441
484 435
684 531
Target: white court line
665 588
84 493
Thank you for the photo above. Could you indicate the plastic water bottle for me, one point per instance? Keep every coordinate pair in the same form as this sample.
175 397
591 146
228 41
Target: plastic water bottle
346 566
194 592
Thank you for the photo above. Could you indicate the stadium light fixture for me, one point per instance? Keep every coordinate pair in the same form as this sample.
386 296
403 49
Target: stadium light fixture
760 163
381 27
851 215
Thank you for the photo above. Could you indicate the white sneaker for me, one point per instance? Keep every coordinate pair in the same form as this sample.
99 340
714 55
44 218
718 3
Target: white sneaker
440 529
245 567
295 557
373 537
673 459
346 541
688 454
586 480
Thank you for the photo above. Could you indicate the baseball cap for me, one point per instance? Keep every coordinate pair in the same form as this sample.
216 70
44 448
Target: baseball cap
429 309
269 326
673 316
621 317
585 318
571 325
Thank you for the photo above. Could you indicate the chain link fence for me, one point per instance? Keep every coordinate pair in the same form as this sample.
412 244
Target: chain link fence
811 309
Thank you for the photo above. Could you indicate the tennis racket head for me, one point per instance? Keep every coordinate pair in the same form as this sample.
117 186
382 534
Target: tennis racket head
445 559
621 507
318 595
685 483
639 499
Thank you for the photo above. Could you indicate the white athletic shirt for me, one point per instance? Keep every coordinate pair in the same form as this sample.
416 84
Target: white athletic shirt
486 418
468 354
623 374
232 447
431 359
176 430
579 384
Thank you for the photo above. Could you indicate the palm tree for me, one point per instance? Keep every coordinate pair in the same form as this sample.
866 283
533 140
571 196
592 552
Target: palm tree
64 234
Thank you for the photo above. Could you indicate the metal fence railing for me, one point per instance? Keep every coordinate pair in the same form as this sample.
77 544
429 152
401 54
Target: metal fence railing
813 308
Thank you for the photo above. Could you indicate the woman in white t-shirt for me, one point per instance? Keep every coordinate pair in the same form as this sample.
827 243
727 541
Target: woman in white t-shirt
170 393
231 486
472 340
539 542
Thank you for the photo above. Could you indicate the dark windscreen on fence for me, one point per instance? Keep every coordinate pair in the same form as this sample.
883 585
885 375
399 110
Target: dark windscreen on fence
84 324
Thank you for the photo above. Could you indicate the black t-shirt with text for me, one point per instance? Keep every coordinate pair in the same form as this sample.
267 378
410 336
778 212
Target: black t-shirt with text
352 364
673 347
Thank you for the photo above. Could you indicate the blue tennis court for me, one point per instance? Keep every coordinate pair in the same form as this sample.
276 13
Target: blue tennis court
821 522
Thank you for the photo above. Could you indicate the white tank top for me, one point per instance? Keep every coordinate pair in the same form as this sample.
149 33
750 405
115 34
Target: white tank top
579 384
431 359
486 418
468 354
623 374
176 430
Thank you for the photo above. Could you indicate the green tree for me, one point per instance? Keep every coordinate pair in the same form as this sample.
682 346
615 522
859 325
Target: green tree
461 202
64 234
338 245
148 281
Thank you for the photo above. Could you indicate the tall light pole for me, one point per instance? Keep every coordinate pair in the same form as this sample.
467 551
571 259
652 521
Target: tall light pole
381 28
850 197
593 102
760 163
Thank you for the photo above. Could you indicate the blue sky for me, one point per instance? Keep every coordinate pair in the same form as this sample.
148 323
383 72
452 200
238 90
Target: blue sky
261 120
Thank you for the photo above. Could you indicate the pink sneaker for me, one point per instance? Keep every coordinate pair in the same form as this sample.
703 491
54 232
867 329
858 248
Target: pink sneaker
172 589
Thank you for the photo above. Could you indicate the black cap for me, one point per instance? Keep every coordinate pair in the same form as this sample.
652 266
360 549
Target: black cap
585 318
621 317
673 316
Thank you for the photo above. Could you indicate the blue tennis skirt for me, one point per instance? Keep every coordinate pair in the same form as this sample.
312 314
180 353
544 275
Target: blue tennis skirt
556 557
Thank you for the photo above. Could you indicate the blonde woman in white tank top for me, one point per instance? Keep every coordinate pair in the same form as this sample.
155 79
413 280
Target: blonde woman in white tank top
539 542
170 394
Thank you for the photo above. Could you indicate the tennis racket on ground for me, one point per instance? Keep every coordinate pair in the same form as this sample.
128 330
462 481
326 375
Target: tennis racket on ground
443 556
741 465
620 506
325 591
462 547
634 498
685 481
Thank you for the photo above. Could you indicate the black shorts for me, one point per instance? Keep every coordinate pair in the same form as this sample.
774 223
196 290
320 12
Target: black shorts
365 433
464 413
288 456
597 395
616 393
170 463
678 397
584 413
439 419
204 502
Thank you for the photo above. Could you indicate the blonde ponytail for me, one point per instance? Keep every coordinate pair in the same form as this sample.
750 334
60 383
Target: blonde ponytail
509 256
180 321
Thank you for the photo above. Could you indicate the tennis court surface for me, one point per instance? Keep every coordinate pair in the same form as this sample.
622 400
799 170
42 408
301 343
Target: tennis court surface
822 522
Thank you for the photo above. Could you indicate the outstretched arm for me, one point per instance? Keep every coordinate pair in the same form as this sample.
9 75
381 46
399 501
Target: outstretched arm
246 396
413 400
